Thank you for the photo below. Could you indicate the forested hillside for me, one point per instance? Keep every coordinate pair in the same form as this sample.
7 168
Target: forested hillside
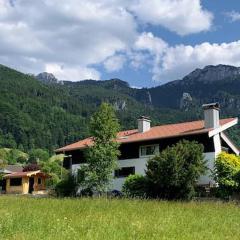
39 115
47 113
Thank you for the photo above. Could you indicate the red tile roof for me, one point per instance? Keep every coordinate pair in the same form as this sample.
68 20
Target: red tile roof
157 132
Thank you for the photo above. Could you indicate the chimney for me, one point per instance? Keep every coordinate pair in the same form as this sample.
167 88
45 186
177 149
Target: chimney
211 115
144 124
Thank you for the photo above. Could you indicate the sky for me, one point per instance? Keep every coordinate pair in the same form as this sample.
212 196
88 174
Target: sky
144 42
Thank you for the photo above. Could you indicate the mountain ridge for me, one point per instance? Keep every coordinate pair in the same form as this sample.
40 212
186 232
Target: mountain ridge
49 114
209 73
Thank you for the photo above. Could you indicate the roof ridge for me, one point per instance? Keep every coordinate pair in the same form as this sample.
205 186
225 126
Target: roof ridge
180 129
169 124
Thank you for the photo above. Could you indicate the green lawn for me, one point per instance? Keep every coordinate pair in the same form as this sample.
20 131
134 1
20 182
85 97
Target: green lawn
31 218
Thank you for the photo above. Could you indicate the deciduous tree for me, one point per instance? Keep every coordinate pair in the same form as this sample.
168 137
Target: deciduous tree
101 157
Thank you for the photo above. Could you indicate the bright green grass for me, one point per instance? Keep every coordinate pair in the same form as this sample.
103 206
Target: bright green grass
30 218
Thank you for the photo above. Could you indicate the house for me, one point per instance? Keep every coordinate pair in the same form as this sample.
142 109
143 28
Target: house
138 145
26 182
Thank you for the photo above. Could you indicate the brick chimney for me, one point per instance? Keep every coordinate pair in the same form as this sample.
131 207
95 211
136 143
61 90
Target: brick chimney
211 115
144 124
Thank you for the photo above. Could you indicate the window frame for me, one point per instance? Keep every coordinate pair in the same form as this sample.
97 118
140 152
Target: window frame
12 182
118 175
149 145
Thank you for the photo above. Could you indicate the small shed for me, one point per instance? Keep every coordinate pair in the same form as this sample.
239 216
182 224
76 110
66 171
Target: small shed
26 182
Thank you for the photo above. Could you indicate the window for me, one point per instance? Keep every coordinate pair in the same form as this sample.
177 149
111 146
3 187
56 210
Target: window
149 150
15 181
39 181
124 172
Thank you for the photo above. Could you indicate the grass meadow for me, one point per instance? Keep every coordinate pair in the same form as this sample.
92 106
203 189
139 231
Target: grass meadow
46 218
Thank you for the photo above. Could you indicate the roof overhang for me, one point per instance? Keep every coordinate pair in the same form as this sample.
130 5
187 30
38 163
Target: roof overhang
229 143
222 128
5 171
27 174
138 140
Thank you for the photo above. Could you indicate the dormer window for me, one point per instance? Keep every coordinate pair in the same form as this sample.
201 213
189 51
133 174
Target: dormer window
149 150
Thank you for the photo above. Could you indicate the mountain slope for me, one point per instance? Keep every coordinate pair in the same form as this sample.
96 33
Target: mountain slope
47 113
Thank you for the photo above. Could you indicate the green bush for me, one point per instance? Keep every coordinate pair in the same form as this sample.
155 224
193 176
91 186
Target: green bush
174 172
66 187
227 174
135 186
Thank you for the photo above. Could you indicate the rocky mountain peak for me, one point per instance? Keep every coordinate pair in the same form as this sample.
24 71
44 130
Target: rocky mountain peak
47 77
186 101
212 73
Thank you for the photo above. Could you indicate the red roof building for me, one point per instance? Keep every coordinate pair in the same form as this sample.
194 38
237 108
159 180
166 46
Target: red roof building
137 145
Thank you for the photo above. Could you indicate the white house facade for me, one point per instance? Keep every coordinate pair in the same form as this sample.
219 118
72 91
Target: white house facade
138 145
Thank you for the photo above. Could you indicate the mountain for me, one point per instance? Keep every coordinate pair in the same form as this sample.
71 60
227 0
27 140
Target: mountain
212 83
213 73
47 77
46 114
43 112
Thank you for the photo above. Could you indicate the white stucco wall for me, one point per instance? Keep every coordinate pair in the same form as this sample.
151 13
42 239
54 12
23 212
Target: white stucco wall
140 166
138 163
207 178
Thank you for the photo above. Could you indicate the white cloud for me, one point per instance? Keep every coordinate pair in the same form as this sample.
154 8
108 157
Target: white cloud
177 61
138 59
68 38
75 74
76 34
233 15
182 59
155 47
180 16
147 41
114 63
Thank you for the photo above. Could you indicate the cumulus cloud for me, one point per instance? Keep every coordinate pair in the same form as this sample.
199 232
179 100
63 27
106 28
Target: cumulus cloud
151 50
182 59
73 34
68 38
174 62
147 41
114 63
180 16
233 15
75 73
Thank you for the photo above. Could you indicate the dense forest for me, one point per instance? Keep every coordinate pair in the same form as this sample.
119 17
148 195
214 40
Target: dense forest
48 114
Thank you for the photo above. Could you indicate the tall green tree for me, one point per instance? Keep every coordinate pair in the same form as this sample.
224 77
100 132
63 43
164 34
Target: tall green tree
102 156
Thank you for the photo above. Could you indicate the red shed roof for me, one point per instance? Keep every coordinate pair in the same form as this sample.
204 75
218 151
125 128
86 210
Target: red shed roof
157 132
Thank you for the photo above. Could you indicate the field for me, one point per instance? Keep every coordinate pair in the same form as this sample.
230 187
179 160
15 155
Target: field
32 218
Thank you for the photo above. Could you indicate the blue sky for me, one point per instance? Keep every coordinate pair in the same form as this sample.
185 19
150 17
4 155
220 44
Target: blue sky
223 30
146 43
